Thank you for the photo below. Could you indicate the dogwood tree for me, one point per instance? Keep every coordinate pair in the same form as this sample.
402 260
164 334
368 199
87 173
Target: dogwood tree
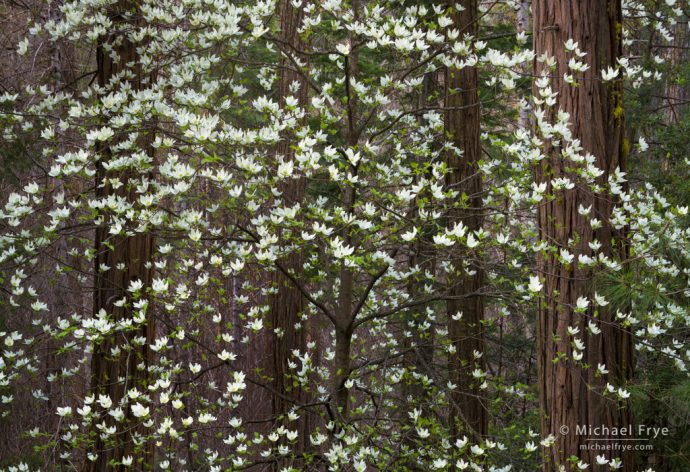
301 235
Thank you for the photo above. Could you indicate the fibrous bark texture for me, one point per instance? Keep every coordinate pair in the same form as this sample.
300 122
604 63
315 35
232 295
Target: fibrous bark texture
287 305
463 125
127 259
571 393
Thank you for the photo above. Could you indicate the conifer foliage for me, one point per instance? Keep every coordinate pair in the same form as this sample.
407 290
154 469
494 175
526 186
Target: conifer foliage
343 235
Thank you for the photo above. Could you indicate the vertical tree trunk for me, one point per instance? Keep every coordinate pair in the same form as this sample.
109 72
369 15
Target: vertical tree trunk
569 394
127 258
343 342
343 325
462 123
344 310
421 355
523 16
288 304
675 92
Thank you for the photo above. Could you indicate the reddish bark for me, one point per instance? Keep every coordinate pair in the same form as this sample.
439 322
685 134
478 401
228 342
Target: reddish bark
110 375
569 394
463 124
288 304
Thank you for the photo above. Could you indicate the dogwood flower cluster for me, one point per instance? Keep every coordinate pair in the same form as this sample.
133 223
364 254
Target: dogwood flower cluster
181 146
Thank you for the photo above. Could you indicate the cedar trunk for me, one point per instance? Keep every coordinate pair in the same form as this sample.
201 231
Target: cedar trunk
127 258
676 94
287 305
463 125
570 395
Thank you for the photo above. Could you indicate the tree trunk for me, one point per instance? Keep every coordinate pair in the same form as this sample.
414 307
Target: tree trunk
288 304
462 123
127 258
570 395
343 326
343 341
676 94
523 16
344 310
421 343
